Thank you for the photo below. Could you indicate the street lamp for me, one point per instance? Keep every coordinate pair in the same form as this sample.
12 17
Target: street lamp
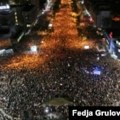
33 48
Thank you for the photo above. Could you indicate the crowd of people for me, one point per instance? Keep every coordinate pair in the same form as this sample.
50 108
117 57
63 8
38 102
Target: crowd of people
28 89
25 91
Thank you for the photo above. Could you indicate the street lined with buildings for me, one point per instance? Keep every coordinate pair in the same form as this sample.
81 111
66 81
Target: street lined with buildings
60 60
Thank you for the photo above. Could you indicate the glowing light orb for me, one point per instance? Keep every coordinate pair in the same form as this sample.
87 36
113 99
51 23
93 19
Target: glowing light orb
86 47
46 110
50 26
33 48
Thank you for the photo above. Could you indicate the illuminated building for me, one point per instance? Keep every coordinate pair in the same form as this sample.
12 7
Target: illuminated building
25 11
5 21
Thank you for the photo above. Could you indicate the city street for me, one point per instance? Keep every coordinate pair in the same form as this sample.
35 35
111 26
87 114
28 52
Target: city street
57 63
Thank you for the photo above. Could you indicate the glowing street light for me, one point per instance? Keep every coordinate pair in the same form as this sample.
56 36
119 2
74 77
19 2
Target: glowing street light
86 47
33 48
82 1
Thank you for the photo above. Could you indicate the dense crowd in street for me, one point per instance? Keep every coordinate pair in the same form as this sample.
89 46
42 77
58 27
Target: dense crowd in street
28 89
27 86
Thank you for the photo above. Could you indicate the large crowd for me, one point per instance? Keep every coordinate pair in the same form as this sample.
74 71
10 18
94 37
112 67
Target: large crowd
28 89
25 91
